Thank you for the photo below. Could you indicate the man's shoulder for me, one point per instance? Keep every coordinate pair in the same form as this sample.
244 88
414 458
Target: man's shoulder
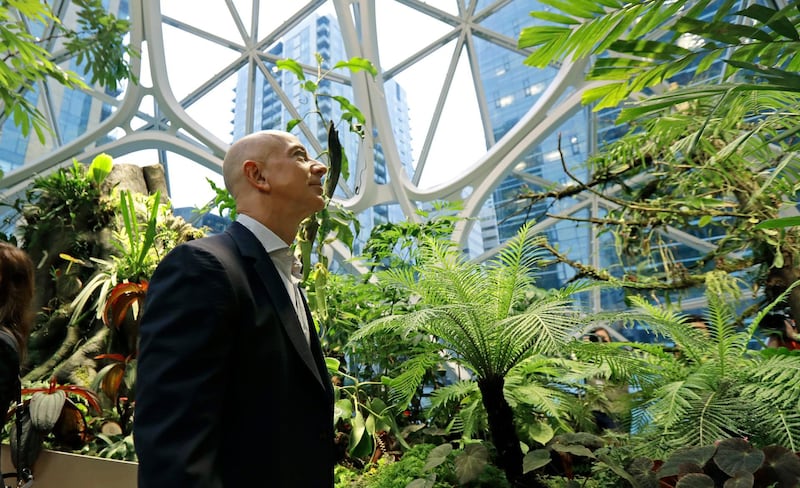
215 244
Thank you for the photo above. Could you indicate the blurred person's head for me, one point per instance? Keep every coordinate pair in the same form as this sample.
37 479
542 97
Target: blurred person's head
16 293
599 334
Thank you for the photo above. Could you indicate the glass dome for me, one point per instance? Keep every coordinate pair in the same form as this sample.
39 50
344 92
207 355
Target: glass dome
453 114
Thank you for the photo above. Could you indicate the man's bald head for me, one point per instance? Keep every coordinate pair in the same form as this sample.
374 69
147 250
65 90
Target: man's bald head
256 147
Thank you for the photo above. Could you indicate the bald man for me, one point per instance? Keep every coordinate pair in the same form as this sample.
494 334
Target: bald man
232 388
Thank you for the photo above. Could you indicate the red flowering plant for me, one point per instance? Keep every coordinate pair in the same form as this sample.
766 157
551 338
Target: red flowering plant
58 412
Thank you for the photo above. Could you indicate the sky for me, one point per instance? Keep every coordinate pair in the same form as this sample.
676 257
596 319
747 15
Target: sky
453 149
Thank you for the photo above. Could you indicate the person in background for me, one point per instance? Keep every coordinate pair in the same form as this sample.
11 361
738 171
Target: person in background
783 334
16 318
16 321
698 322
612 403
232 388
598 334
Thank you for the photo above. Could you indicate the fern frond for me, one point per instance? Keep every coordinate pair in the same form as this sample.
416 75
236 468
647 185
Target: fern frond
511 271
780 427
404 386
544 328
444 396
546 400
669 324
473 420
774 380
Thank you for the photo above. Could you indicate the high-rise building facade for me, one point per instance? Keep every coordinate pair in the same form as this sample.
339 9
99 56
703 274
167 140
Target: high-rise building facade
318 35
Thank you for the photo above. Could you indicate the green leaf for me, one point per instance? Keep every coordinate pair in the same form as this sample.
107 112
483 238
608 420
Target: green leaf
471 463
370 424
695 480
357 64
777 21
573 449
100 168
554 17
292 66
150 232
541 432
348 107
360 444
534 460
422 483
785 80
437 456
332 364
741 480
694 455
704 220
649 49
779 223
579 8
309 86
725 32
292 124
342 409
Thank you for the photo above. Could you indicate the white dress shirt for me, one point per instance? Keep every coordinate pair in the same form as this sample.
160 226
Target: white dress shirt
286 263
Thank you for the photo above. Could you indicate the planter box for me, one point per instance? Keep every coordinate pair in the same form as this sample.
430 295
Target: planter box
66 470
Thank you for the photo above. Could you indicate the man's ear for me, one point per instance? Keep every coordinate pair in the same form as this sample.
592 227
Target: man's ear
256 174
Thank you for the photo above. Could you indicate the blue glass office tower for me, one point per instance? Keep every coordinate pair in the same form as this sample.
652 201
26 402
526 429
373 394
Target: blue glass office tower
320 35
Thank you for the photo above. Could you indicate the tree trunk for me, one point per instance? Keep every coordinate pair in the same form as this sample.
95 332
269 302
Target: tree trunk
501 426
778 279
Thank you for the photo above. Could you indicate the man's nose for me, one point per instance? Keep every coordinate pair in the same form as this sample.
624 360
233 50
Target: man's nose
318 168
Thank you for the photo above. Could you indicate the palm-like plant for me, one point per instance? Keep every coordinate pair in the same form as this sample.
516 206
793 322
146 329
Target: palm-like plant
470 312
713 386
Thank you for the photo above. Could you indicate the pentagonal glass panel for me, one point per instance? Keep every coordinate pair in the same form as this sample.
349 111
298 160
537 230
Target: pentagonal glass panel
395 23
458 142
193 62
213 17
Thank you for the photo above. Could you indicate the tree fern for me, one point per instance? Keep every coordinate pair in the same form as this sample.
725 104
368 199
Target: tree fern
471 313
404 386
713 386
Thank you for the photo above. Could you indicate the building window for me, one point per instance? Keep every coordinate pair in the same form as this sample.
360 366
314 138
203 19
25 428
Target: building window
505 101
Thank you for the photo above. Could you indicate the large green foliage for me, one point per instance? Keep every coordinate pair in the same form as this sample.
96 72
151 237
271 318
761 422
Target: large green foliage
712 386
97 42
468 310
642 44
710 92
469 315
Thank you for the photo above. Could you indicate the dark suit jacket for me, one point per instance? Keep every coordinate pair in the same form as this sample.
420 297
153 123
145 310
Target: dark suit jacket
228 390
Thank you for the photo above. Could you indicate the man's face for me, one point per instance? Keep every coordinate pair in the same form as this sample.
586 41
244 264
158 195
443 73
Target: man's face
295 179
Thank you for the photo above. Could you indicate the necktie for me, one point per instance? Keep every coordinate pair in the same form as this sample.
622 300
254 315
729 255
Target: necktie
291 268
300 308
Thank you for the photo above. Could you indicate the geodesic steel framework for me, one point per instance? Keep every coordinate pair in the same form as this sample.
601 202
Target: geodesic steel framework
150 116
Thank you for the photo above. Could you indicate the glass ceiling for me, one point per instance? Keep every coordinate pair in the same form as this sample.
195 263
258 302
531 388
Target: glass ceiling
467 130
180 111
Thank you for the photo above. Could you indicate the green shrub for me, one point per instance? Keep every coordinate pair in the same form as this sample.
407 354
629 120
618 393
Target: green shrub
410 467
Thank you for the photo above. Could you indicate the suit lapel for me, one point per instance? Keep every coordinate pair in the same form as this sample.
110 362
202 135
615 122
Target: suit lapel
251 249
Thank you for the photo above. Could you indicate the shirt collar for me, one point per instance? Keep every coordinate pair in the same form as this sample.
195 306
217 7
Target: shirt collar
266 237
278 250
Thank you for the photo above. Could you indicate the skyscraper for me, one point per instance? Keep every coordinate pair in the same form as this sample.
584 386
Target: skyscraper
318 35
